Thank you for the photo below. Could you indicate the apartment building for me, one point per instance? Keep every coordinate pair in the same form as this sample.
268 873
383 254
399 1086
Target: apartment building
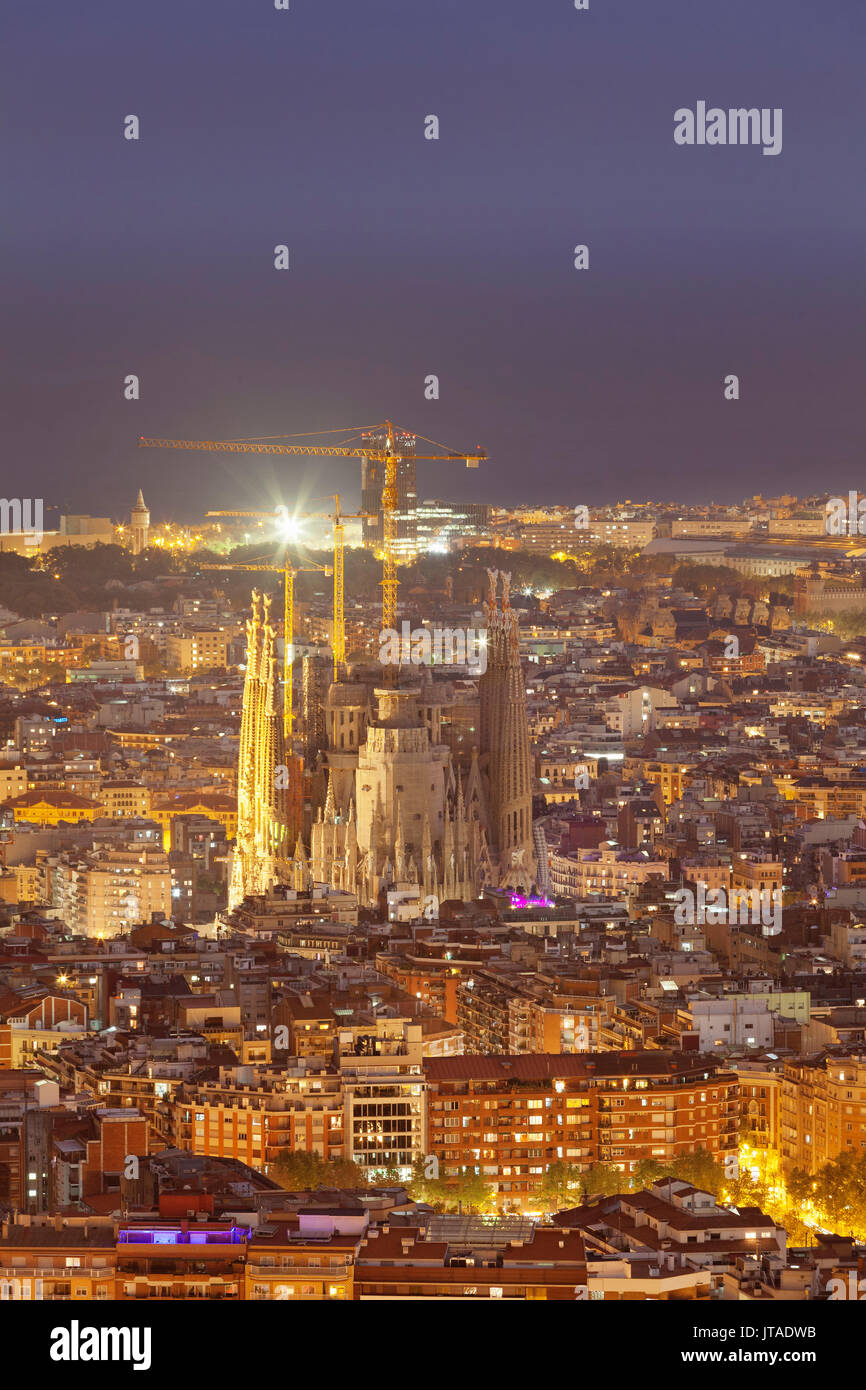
189 1259
320 1255
89 1154
634 535
124 800
608 871
203 649
215 805
312 1256
56 1261
535 1013
26 1100
434 982
510 1117
42 1021
385 1094
633 712
49 806
366 1104
733 1020
823 1108
254 1115
461 1259
761 1103
106 890
756 873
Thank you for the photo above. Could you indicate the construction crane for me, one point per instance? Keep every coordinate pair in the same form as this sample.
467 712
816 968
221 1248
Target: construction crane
338 517
289 572
390 456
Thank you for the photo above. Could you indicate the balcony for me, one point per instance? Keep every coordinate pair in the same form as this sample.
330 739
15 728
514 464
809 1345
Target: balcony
299 1273
155 1291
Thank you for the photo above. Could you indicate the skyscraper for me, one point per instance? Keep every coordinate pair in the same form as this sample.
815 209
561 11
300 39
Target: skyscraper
372 481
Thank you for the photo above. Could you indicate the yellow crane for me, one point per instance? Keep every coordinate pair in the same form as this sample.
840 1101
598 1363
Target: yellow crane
338 517
289 572
390 456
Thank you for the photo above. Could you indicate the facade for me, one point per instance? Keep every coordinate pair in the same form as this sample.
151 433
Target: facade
505 759
262 847
107 890
513 1116
398 814
823 1109
609 871
202 649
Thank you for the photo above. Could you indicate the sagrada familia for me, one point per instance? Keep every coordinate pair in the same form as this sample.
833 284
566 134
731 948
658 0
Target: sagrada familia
261 844
397 812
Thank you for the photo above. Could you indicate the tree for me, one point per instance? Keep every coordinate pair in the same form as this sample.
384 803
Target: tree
301 1172
701 1170
561 1185
463 1189
423 1188
698 1168
841 1192
646 1172
602 1180
798 1185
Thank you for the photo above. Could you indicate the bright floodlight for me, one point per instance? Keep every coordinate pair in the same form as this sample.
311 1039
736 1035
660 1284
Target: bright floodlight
288 526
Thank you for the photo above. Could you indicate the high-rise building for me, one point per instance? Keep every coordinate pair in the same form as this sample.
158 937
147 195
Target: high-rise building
139 524
372 481
439 524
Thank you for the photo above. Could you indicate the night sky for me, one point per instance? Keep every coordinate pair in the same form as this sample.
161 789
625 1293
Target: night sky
411 257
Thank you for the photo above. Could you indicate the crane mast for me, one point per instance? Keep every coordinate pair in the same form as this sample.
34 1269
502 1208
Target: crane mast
389 456
289 573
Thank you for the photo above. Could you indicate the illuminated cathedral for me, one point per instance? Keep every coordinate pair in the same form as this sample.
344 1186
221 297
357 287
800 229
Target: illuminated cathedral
262 842
397 812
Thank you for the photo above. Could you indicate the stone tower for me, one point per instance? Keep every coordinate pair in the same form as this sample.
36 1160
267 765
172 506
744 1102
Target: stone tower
139 524
504 744
262 847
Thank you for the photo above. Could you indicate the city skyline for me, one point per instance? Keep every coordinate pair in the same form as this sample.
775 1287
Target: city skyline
432 674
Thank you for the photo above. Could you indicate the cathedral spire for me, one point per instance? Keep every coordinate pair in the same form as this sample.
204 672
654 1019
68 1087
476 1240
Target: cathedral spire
261 844
330 812
504 740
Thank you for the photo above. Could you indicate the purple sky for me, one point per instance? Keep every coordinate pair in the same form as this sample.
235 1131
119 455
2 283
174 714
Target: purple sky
412 257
